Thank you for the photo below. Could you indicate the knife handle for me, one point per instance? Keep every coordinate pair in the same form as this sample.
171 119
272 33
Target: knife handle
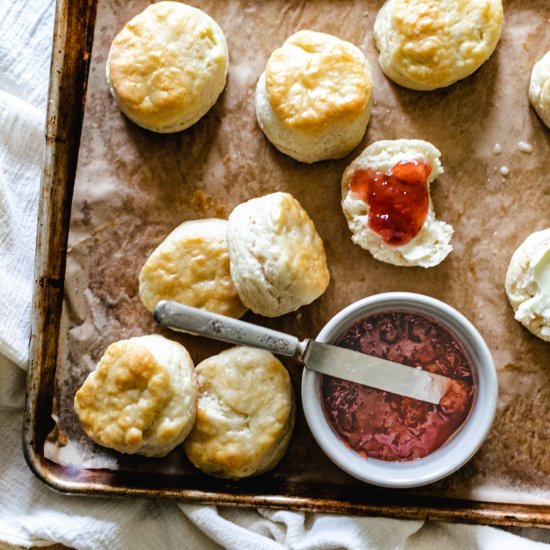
204 323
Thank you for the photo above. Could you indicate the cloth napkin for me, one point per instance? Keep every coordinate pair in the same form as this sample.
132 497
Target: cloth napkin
33 515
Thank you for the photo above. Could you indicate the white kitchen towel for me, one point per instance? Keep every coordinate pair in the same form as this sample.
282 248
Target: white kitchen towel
32 514
25 45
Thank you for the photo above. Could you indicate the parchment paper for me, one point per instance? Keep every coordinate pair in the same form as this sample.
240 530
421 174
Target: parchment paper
134 186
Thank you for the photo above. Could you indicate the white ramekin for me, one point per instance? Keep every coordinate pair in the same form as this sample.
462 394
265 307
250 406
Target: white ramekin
462 445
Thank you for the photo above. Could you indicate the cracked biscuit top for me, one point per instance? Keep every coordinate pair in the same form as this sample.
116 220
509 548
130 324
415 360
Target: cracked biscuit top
245 414
313 101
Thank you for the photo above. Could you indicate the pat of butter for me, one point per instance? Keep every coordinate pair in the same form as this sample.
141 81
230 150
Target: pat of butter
539 304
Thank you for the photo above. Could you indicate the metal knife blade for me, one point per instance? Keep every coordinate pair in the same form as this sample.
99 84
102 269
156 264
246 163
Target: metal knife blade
375 373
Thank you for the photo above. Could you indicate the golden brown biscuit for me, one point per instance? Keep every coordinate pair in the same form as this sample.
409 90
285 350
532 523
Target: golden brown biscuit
167 66
191 266
245 414
313 101
141 398
277 259
429 44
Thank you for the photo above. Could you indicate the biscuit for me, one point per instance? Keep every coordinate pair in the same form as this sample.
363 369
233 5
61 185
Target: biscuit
141 398
167 66
429 44
539 88
428 242
313 101
277 259
528 284
245 414
191 266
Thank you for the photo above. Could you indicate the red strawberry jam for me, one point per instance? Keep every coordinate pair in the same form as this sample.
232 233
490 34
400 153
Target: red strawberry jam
390 427
398 200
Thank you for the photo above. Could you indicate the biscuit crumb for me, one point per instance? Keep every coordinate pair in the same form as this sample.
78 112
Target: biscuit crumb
525 147
204 205
527 42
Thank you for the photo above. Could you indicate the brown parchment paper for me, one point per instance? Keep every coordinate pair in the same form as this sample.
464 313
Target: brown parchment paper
134 186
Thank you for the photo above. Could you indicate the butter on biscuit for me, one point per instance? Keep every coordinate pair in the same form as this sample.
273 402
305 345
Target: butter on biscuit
539 88
429 243
528 284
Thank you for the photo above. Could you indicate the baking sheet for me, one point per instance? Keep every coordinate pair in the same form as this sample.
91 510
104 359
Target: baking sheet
133 186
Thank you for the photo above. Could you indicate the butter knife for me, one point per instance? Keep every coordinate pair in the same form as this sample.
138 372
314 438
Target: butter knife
322 358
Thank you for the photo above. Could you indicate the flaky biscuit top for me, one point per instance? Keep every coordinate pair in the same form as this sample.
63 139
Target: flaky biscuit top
244 413
121 401
277 258
316 78
162 60
437 42
191 266
141 397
